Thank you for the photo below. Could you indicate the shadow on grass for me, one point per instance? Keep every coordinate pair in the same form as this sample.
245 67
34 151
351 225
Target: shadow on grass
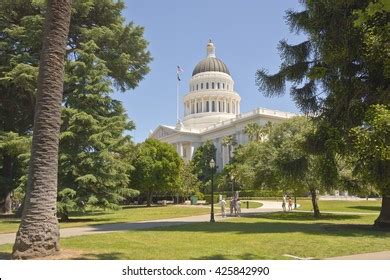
278 223
367 208
5 256
301 216
247 256
101 256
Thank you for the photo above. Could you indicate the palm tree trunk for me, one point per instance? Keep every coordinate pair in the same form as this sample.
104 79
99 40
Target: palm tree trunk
383 221
38 234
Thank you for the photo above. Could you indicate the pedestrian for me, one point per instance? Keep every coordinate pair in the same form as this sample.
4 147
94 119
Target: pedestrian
289 204
238 208
232 207
223 208
284 203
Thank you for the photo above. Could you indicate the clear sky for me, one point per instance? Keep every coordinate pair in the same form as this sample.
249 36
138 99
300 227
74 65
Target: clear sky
245 33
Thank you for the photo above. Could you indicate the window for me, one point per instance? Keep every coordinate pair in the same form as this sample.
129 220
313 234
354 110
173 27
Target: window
201 86
233 108
207 85
227 87
219 106
192 108
207 106
213 106
196 87
184 152
212 85
228 109
223 85
223 106
218 85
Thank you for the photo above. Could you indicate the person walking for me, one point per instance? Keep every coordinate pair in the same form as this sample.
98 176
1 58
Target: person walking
238 208
232 206
223 208
289 204
284 202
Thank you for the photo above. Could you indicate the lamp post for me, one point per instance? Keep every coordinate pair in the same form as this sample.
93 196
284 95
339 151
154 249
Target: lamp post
212 166
232 179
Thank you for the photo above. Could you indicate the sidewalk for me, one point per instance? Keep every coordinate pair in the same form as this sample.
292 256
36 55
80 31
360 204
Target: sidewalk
385 255
267 207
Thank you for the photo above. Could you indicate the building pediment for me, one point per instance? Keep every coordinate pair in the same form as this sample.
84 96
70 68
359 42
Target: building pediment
163 131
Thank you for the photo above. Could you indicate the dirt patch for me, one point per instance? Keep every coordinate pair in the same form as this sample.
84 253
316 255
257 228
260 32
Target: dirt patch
66 254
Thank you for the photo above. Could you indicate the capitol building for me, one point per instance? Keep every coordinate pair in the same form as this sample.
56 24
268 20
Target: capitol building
212 111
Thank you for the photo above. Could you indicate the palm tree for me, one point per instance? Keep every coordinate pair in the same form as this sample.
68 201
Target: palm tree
229 142
265 130
253 130
38 234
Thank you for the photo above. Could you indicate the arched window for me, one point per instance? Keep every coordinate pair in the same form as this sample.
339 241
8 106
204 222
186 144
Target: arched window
207 85
207 106
219 106
212 85
213 106
218 85
201 86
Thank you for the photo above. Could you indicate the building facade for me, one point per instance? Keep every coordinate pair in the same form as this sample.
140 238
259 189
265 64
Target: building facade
212 112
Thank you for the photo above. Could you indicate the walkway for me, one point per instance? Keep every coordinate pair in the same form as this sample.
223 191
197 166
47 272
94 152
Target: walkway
385 255
268 206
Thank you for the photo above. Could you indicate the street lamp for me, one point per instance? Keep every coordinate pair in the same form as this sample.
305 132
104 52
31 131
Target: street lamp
232 180
212 166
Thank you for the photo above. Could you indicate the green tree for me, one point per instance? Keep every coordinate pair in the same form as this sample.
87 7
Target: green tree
253 131
256 132
156 169
99 23
201 162
14 149
188 181
336 74
38 234
94 155
371 155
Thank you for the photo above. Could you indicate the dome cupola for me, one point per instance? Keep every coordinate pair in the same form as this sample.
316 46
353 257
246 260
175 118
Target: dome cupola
211 97
211 62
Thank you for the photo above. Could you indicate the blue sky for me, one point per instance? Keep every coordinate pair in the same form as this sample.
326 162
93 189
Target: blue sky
245 33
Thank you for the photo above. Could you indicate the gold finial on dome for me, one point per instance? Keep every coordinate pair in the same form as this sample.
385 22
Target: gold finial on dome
210 49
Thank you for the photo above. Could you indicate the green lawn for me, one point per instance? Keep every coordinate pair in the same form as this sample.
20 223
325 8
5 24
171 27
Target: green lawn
268 236
362 206
129 214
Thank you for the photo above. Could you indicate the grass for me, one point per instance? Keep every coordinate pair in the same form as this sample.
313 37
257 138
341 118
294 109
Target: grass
267 236
362 206
127 214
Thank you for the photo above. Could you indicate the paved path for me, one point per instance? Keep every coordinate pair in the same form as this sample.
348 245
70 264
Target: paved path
267 207
385 255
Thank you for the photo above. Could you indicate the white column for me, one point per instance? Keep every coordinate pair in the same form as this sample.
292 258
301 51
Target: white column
192 149
180 149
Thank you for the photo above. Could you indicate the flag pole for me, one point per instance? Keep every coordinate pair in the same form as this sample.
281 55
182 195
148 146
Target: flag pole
177 101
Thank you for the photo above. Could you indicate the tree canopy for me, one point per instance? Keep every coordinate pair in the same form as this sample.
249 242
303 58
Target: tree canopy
156 170
103 51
